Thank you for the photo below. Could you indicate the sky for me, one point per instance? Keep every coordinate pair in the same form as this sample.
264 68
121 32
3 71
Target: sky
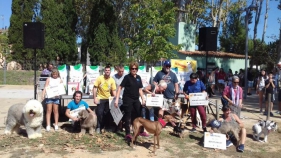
272 23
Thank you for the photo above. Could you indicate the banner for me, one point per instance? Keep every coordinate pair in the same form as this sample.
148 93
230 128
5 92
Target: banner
184 68
63 74
214 140
196 99
55 91
92 74
76 75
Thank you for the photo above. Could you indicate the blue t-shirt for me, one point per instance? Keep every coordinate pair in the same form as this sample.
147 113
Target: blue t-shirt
197 87
170 79
72 105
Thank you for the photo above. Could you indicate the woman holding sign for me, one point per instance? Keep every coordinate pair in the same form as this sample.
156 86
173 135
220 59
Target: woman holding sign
195 86
52 102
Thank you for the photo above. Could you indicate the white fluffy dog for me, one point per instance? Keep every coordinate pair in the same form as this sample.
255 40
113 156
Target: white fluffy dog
30 115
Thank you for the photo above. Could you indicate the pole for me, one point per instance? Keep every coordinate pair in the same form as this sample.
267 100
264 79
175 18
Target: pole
246 56
268 107
34 66
206 66
5 69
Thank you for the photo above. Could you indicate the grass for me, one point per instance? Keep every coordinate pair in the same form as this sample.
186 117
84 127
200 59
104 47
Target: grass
18 77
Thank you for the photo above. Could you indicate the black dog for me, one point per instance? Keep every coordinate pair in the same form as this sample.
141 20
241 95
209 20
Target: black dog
178 129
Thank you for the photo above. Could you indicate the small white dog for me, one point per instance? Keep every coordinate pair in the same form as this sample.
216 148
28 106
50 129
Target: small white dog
263 127
30 115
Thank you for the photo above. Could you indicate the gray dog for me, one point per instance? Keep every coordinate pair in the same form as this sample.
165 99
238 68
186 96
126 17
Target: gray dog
226 128
87 121
30 115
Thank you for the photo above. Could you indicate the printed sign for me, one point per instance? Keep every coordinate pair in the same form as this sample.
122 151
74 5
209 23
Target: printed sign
74 113
72 87
55 91
196 99
214 140
156 101
116 114
112 101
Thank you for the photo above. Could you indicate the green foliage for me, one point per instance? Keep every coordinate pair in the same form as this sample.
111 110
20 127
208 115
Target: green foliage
155 20
103 41
60 21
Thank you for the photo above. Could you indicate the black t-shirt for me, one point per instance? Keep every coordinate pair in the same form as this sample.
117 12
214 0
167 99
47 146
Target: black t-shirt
250 76
270 88
131 87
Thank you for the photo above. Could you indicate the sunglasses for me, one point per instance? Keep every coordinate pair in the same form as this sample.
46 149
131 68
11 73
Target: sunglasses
134 68
236 82
167 65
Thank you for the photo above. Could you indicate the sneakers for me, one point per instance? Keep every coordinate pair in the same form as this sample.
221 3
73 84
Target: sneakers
193 130
228 143
128 137
265 113
277 112
98 130
56 127
240 148
205 129
144 134
271 114
48 128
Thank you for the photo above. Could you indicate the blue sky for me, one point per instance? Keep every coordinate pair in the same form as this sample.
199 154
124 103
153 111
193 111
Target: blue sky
272 23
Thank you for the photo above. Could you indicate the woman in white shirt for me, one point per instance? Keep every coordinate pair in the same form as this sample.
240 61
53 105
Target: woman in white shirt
52 103
260 87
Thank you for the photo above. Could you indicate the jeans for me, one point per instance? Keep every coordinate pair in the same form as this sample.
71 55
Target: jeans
128 106
101 111
151 113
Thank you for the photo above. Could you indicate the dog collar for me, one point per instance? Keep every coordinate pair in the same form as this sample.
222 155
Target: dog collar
162 122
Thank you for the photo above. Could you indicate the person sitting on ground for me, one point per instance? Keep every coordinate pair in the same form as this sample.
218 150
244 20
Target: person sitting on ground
76 103
228 117
153 89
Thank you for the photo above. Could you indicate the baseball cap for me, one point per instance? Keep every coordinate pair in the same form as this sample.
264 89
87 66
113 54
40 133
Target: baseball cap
167 63
215 124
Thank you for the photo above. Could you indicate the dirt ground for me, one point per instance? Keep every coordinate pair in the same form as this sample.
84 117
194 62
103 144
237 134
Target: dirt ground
110 145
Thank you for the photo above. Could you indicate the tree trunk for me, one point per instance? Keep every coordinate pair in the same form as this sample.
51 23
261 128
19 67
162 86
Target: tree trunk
265 21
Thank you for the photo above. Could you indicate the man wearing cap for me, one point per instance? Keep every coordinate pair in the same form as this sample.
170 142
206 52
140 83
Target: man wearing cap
172 90
230 117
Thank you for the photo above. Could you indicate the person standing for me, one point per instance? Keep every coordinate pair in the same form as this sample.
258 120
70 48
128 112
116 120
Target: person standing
269 89
261 87
118 77
194 85
278 77
132 85
104 86
48 70
250 78
232 95
52 103
172 90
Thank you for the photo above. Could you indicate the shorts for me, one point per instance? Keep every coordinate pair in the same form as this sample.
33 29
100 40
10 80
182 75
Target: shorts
272 97
250 84
167 104
221 81
52 101
261 89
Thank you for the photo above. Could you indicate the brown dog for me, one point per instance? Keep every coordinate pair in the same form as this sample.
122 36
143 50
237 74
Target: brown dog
87 121
153 127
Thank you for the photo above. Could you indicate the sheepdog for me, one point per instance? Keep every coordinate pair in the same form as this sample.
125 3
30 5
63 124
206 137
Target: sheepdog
30 115
263 127
87 121
229 128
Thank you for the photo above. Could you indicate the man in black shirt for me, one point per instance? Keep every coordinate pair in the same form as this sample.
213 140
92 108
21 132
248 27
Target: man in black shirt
269 89
250 78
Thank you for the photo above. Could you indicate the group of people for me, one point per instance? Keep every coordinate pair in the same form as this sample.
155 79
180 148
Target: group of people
130 89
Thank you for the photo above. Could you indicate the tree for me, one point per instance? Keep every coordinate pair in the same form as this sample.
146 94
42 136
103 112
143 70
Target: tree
22 11
59 18
156 20
4 47
102 40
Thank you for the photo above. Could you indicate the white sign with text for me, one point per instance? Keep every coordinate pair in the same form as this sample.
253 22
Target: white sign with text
74 113
111 101
55 91
116 114
196 99
215 140
155 101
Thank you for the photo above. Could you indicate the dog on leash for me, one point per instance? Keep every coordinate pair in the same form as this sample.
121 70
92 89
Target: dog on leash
226 128
87 121
153 127
263 127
